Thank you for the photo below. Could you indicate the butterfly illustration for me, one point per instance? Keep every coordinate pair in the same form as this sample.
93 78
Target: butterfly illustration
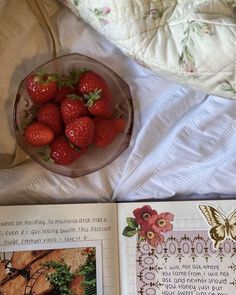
221 226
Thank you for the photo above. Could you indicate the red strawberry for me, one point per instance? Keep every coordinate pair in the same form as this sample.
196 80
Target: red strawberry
119 124
98 104
63 153
50 115
80 131
90 81
38 134
41 87
73 107
62 92
104 132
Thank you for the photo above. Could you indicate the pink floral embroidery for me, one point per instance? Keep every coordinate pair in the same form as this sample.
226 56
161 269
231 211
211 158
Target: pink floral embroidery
189 67
106 10
101 14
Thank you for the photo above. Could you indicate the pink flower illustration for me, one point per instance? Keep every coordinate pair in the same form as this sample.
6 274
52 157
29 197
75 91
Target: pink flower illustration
148 225
143 214
151 235
161 222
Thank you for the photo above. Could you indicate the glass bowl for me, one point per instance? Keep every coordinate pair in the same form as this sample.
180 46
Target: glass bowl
95 158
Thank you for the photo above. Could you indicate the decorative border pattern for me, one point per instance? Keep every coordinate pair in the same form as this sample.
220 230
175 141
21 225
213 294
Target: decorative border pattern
179 245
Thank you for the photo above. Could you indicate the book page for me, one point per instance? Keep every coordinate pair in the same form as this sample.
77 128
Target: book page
75 245
178 248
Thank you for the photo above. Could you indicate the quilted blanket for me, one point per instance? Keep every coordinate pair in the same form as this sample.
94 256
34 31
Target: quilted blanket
191 42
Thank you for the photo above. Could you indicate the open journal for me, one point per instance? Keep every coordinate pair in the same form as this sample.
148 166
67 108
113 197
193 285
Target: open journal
153 248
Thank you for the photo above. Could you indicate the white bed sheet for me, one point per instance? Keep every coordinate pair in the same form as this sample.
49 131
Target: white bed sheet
183 141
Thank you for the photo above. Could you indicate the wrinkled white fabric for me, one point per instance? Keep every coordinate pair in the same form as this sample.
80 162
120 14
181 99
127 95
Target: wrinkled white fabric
183 141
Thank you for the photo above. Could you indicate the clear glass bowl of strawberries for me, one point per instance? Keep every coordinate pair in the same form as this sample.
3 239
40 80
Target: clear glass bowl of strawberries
73 115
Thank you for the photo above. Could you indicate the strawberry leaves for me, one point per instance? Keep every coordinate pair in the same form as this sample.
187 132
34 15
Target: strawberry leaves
92 97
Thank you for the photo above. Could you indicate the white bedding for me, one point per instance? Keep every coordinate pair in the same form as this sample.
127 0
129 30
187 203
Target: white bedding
183 141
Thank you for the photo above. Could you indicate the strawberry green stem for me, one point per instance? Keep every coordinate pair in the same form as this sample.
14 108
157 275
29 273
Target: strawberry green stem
92 97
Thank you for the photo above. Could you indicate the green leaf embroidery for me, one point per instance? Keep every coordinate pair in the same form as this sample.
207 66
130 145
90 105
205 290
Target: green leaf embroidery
227 86
186 57
131 222
129 232
101 14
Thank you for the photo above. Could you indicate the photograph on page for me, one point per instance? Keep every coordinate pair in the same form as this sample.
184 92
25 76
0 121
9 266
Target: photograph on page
51 225
75 270
171 251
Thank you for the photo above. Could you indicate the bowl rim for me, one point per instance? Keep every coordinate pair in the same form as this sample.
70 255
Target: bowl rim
18 134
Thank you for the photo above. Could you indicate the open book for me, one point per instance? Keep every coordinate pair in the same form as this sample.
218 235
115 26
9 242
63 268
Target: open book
168 248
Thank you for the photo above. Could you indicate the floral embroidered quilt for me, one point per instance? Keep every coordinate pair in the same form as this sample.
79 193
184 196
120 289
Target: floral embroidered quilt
190 42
